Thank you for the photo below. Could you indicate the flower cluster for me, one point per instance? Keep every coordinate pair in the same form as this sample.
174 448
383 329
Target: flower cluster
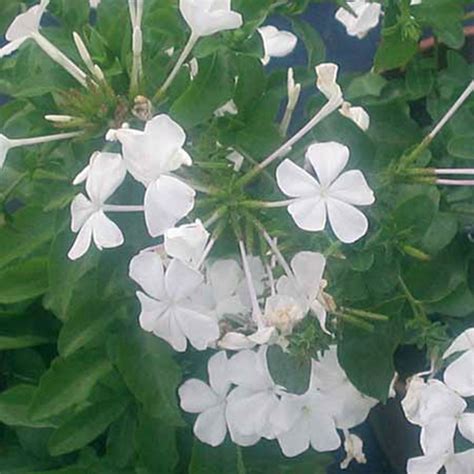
243 400
440 410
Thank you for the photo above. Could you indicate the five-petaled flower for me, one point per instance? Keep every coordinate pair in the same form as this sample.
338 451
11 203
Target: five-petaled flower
333 195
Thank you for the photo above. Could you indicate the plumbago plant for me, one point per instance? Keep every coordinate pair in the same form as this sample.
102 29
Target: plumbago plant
201 272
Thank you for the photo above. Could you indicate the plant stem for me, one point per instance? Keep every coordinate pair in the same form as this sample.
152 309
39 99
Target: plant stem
117 208
332 105
182 58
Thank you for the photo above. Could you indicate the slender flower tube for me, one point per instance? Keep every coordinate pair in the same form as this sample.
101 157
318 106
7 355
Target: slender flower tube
7 144
294 91
26 26
86 58
136 15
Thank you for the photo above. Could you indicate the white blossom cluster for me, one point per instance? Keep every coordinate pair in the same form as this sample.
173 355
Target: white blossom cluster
440 409
242 399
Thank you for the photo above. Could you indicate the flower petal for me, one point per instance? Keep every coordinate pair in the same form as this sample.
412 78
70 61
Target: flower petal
201 330
106 233
81 210
460 463
466 426
146 269
309 214
211 427
295 181
82 242
167 327
459 375
327 80
277 43
464 342
218 370
308 268
10 48
181 281
347 222
151 311
357 114
26 23
296 440
196 396
235 341
106 173
437 436
224 277
328 160
167 200
323 432
352 188
427 464
288 413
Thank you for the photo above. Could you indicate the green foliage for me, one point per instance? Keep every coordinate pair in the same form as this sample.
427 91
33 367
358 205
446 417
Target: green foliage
83 388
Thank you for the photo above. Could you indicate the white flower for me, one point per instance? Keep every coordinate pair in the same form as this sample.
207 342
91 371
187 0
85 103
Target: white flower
23 27
206 17
228 108
283 313
327 84
367 15
438 410
333 196
354 448
187 242
308 270
103 176
460 374
237 159
251 405
151 155
302 421
276 43
209 400
94 3
460 463
342 400
167 309
155 151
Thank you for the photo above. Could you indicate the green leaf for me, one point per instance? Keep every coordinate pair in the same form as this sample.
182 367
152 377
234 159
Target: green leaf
369 84
74 14
208 460
367 357
149 372
24 281
27 330
419 79
16 238
156 445
68 382
440 233
119 447
459 304
14 405
462 147
287 371
211 88
315 47
84 426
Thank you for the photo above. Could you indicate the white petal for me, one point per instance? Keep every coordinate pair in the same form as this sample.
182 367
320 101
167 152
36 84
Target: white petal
296 440
107 172
323 433
277 43
328 160
167 327
288 413
234 341
367 17
308 268
233 424
461 463
211 427
204 22
357 114
106 233
438 435
180 280
201 330
146 269
327 79
295 181
347 222
10 48
459 375
151 311
352 188
466 426
167 200
81 210
218 370
26 23
224 277
426 464
82 176
246 370
4 147
309 214
196 396
464 342
82 242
